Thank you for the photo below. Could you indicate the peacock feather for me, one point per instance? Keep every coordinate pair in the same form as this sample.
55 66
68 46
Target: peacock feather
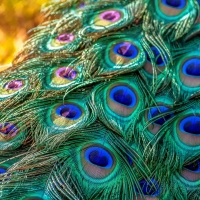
102 102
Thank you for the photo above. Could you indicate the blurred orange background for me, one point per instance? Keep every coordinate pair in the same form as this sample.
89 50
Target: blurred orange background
17 17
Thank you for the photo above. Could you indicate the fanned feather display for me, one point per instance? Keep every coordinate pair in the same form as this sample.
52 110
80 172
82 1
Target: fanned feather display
102 102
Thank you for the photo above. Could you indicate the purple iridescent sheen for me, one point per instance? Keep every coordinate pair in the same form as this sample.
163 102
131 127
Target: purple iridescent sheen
110 15
66 72
65 38
13 85
8 128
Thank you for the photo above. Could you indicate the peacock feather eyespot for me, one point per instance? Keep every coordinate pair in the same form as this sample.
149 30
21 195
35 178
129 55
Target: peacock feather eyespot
187 73
97 161
107 18
171 9
191 172
191 67
149 188
194 167
65 38
8 131
60 41
3 169
190 125
155 111
11 87
66 116
110 15
66 73
126 49
14 85
99 157
69 111
123 95
122 52
188 129
178 4
122 99
60 77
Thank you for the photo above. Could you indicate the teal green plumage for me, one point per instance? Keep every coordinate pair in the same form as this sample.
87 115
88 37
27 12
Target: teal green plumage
102 102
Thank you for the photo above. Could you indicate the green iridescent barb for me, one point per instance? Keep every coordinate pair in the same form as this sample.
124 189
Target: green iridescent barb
103 103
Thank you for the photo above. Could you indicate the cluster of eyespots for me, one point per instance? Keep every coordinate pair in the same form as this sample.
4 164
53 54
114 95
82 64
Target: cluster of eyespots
149 188
191 125
8 129
178 4
194 167
158 58
13 85
155 111
123 95
69 111
66 73
191 67
99 157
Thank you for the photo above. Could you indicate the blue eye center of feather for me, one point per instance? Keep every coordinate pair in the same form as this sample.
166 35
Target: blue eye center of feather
178 4
192 67
99 156
126 49
98 159
155 111
8 128
67 73
150 188
2 170
159 60
195 166
123 95
69 111
191 125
